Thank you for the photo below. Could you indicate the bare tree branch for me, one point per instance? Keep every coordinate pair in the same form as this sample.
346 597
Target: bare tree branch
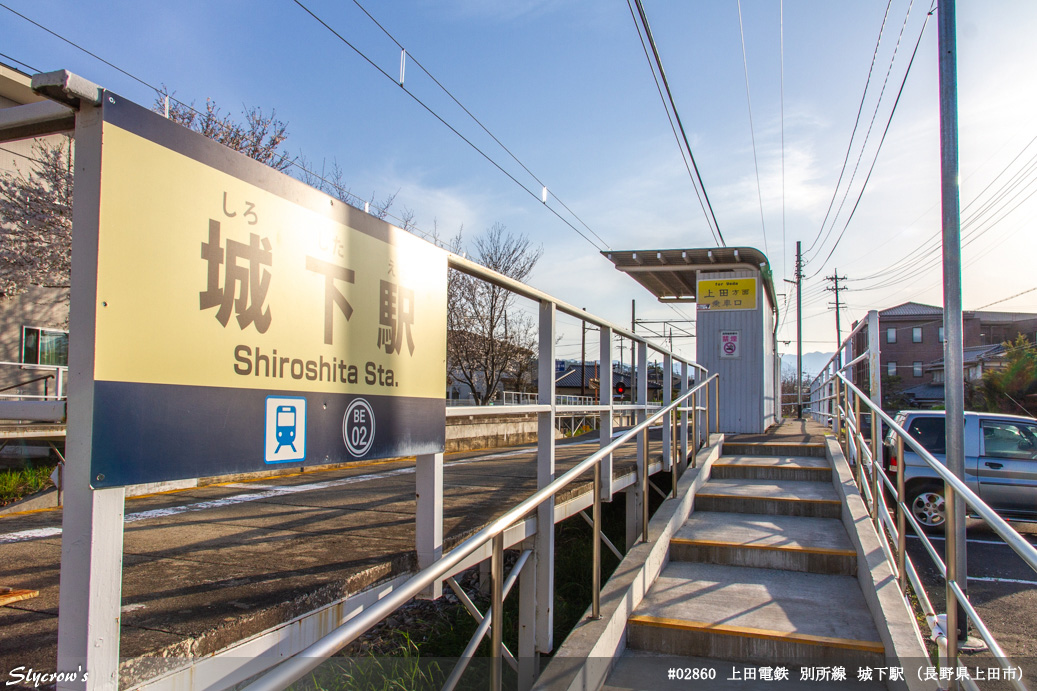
488 341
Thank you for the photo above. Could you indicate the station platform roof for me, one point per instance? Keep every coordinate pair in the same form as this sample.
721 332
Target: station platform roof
672 275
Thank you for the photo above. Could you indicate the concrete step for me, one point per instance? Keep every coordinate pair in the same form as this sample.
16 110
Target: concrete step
775 448
772 497
638 670
766 616
772 468
794 543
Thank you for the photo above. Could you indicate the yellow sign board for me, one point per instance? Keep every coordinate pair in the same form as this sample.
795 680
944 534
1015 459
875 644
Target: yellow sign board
241 318
726 294
206 280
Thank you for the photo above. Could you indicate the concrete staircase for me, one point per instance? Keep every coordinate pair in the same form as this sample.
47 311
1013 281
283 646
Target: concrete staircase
761 575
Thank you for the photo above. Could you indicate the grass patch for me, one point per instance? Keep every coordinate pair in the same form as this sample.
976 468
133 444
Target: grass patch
17 483
401 669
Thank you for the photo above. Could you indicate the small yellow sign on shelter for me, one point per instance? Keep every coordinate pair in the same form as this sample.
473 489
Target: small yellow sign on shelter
727 294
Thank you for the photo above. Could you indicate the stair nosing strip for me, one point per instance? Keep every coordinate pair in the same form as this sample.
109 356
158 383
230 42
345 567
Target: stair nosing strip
803 444
825 469
750 632
764 498
780 548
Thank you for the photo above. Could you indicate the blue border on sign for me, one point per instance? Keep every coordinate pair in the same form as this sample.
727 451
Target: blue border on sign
283 398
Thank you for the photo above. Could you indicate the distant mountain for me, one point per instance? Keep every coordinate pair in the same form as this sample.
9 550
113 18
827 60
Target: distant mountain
812 363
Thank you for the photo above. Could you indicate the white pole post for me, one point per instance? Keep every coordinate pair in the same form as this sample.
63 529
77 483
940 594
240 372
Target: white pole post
684 418
527 657
667 399
89 601
545 537
429 515
605 398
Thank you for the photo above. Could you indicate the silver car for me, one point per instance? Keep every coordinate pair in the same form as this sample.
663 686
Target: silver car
1000 463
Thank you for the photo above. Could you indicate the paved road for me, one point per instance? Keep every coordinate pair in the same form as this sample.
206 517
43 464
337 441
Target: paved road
206 567
1001 586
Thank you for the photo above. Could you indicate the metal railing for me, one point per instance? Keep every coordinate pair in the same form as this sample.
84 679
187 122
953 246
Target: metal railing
56 373
313 656
875 487
851 359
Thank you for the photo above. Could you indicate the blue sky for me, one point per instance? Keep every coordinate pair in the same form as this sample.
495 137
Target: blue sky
566 87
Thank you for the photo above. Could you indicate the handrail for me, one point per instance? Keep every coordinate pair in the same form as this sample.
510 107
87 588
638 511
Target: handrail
853 332
30 381
1022 547
309 659
903 567
465 265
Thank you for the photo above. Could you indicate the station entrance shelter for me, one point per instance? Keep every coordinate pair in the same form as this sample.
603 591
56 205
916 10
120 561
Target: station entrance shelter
736 322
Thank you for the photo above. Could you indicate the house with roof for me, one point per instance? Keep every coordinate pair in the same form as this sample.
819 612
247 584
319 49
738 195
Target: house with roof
911 337
977 361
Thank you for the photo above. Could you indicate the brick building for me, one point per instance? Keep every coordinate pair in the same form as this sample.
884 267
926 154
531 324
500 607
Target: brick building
911 339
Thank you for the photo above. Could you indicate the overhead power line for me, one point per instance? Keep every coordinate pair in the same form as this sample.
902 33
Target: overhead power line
1014 191
343 193
752 129
696 178
856 124
413 59
18 62
310 172
781 34
446 124
882 140
1010 297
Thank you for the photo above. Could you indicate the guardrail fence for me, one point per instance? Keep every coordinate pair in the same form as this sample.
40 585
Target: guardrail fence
840 401
687 421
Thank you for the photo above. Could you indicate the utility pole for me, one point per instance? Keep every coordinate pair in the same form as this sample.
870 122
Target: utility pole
835 278
799 329
583 357
954 390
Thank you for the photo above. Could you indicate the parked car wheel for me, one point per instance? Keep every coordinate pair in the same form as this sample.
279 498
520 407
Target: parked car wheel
927 505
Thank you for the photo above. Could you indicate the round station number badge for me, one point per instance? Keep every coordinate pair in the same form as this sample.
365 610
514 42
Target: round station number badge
358 427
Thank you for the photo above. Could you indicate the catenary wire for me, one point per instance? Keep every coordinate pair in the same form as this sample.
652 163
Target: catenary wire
669 118
338 188
15 60
878 149
677 117
871 125
752 128
189 106
469 113
446 124
856 124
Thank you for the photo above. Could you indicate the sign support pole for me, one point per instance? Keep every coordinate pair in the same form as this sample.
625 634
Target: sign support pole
545 537
605 399
92 522
429 515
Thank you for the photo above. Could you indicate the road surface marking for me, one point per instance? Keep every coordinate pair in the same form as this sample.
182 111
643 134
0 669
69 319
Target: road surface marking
992 579
971 540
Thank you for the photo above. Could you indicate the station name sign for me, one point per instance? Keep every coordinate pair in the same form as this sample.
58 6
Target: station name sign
244 319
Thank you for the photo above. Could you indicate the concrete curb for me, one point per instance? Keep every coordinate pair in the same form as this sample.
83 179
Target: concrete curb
893 618
587 655
48 499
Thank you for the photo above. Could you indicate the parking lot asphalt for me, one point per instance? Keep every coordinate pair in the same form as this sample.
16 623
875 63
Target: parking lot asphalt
1001 586
208 566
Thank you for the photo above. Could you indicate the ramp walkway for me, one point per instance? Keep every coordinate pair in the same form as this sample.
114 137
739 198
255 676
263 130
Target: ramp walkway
764 567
